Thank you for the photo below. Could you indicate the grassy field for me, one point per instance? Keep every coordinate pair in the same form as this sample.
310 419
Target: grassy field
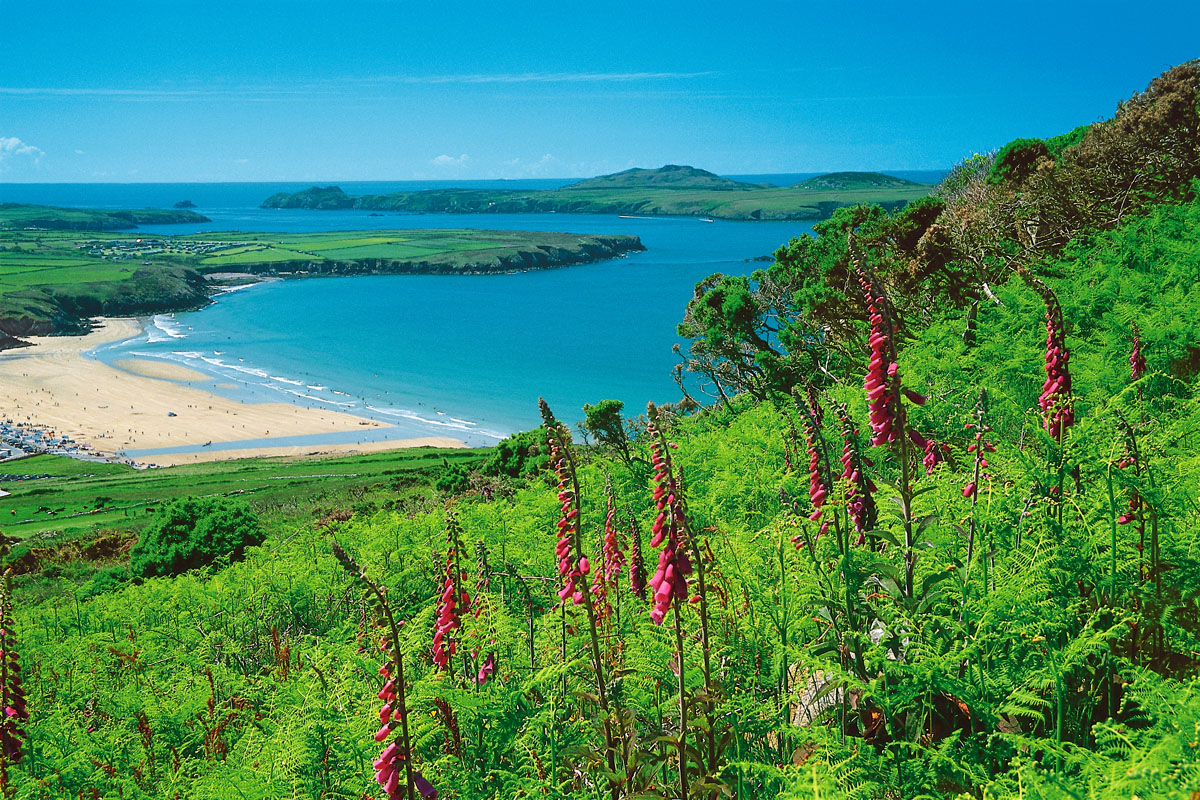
81 499
50 275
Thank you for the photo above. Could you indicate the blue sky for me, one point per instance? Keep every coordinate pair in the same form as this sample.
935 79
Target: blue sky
362 90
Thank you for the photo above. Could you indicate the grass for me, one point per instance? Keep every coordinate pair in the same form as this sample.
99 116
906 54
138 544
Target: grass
125 273
81 499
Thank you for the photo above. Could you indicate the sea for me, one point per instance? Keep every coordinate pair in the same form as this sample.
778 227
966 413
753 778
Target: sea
465 357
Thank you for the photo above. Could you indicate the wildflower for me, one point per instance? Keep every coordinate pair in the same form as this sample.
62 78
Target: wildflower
1055 400
394 711
1137 361
12 694
448 618
637 567
614 559
674 566
568 523
1130 459
860 504
935 452
486 669
424 787
818 487
978 448
814 404
884 409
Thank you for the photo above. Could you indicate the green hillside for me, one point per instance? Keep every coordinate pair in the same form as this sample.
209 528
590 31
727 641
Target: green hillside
933 536
671 190
51 280
15 216
854 181
671 176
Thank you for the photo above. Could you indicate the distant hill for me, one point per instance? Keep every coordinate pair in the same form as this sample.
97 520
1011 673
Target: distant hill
323 198
14 216
672 190
672 176
855 181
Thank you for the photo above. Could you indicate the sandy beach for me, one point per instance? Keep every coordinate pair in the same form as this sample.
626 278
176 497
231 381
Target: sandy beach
53 384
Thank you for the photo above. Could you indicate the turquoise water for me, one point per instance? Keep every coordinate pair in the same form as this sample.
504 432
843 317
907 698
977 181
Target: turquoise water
459 356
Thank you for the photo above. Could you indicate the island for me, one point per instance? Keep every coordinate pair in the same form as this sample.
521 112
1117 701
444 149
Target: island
52 281
18 216
671 190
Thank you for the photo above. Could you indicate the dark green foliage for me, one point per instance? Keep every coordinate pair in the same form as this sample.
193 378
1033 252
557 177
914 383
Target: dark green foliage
604 422
192 533
519 456
1057 144
453 478
105 580
1017 160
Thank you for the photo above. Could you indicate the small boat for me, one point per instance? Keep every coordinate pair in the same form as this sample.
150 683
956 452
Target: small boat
706 219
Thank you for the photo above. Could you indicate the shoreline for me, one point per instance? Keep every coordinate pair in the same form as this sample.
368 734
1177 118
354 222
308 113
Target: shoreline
141 404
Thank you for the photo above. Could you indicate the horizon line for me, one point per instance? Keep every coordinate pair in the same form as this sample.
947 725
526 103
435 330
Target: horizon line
330 181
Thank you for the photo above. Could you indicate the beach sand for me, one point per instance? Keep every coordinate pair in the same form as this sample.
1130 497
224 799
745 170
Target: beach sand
151 368
52 383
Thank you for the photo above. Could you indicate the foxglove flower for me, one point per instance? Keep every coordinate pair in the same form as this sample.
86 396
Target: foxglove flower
1055 400
669 583
818 487
934 452
978 448
486 669
453 602
13 710
568 522
395 755
860 502
1137 361
614 559
1129 459
884 411
637 567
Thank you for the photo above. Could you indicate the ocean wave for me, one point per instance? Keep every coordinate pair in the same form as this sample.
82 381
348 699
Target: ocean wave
286 380
164 328
404 413
324 400
220 364
238 288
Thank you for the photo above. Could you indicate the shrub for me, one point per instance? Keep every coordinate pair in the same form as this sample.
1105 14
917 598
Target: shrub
518 456
453 479
105 580
1017 159
193 532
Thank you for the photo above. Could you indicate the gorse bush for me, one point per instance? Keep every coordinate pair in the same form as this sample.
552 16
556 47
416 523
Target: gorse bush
194 532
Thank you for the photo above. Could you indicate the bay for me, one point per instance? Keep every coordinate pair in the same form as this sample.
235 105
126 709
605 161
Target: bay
459 356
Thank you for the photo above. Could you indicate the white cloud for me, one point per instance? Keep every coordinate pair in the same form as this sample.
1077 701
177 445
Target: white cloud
12 146
450 161
14 152
78 152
